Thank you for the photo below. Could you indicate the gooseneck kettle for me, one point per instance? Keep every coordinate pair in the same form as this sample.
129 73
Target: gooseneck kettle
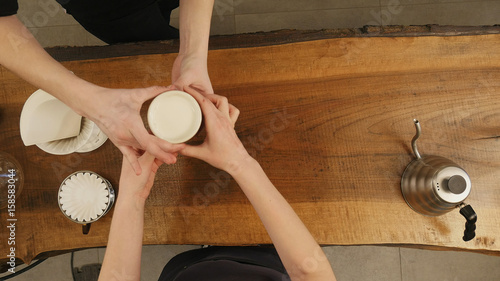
433 185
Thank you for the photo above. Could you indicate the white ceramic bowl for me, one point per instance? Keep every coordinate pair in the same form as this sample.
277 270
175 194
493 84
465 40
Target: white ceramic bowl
174 116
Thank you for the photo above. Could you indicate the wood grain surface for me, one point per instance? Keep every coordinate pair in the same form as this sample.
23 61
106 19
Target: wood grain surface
329 120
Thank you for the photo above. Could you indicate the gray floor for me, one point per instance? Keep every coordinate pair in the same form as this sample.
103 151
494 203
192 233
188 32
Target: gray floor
48 21
349 263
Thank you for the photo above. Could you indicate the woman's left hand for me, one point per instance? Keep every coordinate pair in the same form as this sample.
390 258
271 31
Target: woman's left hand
135 185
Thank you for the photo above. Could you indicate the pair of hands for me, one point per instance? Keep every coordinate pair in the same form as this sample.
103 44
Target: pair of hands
221 148
122 122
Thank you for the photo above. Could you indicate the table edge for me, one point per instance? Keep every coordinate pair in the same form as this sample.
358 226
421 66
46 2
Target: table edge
260 39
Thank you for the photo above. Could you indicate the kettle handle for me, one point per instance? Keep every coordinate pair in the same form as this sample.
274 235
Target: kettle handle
470 226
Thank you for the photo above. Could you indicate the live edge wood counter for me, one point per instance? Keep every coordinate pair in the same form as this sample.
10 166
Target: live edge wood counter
331 123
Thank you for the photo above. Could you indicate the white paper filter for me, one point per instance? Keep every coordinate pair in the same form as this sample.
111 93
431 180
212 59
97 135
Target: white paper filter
45 118
84 197
69 145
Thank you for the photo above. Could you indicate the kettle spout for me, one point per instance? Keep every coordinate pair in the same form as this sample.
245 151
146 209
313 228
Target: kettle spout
415 138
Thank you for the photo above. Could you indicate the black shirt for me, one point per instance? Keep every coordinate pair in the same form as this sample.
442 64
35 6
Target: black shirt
8 7
117 21
103 9
89 9
229 271
226 263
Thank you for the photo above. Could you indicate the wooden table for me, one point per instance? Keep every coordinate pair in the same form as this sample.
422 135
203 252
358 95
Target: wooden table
329 119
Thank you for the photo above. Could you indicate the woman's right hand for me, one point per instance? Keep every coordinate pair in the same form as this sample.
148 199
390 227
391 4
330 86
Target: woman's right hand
222 148
117 113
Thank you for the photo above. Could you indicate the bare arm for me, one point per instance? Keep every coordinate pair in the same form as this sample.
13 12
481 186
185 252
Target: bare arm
115 111
190 66
194 26
300 253
122 260
23 55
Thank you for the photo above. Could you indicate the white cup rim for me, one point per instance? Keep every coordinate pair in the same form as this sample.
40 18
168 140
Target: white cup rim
155 125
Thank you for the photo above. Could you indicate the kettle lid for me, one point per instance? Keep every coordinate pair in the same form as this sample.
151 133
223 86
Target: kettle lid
452 184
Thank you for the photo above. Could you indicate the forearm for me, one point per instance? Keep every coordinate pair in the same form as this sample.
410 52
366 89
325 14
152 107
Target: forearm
23 55
298 250
122 260
194 26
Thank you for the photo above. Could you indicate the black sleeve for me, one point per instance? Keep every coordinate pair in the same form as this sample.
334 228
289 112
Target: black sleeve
8 7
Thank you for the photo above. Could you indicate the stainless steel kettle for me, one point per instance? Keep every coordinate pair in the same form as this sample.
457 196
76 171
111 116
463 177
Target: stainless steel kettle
433 185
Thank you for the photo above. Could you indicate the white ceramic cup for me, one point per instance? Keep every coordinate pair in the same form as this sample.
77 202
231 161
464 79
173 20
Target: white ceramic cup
174 116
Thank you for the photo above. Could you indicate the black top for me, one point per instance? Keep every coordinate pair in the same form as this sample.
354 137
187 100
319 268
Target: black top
223 270
8 7
116 21
226 264
110 9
